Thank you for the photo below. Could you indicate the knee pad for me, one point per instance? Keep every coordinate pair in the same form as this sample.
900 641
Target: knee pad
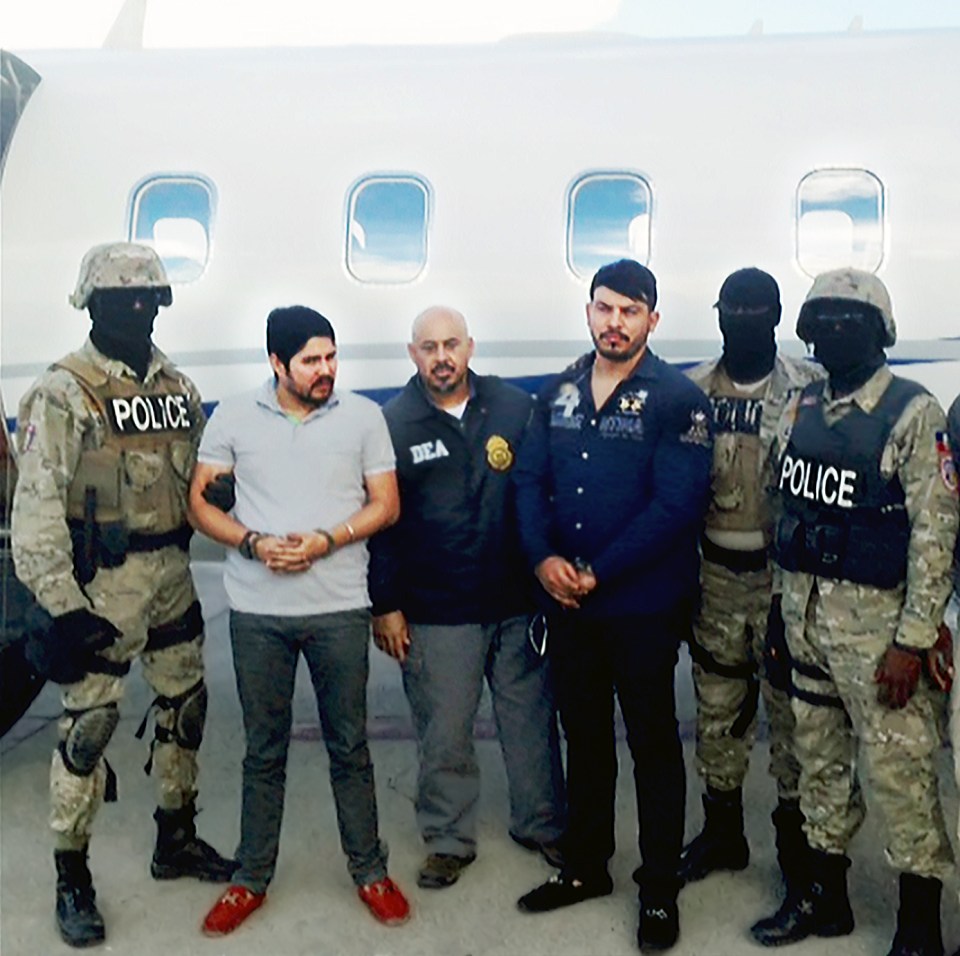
180 719
87 738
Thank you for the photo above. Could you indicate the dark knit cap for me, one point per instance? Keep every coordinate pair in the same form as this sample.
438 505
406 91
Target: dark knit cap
749 290
627 277
290 328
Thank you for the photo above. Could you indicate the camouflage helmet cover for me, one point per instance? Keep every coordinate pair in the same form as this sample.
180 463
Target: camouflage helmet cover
854 285
120 265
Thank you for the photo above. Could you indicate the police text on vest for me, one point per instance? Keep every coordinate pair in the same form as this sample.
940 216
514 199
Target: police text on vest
818 482
143 414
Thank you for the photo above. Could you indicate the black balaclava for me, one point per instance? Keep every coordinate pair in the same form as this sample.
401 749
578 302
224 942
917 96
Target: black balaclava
123 324
847 338
749 307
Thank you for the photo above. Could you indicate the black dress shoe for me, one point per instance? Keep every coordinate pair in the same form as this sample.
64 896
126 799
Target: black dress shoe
564 889
659 927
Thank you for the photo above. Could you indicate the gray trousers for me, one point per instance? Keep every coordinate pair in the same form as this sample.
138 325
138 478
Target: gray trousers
265 652
443 678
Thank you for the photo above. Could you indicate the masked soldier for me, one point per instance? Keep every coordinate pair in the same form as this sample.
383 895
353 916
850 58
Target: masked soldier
107 439
748 387
865 536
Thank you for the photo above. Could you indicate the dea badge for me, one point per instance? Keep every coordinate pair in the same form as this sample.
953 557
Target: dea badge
499 453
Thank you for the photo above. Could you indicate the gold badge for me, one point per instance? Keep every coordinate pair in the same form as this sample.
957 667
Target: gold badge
499 453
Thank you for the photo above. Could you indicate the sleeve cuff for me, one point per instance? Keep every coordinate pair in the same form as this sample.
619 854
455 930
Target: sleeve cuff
915 635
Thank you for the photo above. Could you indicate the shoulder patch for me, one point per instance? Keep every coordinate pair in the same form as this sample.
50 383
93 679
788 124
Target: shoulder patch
29 437
699 431
948 470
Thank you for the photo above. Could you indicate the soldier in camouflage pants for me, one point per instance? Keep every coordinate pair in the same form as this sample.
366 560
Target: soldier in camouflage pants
748 388
865 538
107 440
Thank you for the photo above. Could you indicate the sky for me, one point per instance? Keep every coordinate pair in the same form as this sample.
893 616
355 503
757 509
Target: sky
32 24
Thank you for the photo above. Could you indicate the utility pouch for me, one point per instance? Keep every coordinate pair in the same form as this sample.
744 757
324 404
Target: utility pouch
785 544
114 541
824 547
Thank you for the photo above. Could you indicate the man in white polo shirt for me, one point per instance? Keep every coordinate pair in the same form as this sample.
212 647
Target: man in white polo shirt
314 473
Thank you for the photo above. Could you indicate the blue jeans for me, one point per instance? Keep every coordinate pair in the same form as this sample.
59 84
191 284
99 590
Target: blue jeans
265 652
443 679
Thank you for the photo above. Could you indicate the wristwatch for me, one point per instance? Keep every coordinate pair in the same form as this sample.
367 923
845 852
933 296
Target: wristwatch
248 546
331 541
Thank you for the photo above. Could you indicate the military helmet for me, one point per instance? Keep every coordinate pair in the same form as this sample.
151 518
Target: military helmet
120 265
853 285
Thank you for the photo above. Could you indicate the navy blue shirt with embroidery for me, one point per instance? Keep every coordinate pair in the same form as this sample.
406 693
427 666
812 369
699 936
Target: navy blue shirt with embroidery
623 488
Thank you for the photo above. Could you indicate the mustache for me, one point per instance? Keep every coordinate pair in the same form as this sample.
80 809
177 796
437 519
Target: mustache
443 367
323 380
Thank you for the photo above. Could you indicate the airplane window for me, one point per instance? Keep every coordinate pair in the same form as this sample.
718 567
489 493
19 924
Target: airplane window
608 217
839 220
174 214
387 228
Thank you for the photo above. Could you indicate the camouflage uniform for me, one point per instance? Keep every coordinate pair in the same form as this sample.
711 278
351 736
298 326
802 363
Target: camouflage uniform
844 628
732 621
952 614
58 421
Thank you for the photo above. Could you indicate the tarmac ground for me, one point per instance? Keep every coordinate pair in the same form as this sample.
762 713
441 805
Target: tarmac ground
312 907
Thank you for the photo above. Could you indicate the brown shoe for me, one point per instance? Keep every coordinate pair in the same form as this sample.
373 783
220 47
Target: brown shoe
442 869
552 852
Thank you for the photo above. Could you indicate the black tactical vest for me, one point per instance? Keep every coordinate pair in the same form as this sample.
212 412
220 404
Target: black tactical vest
841 518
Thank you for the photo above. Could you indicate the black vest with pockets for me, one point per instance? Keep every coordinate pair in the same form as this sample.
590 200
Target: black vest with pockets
841 518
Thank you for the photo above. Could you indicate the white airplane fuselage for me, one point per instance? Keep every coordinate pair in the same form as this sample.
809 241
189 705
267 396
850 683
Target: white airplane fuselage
723 133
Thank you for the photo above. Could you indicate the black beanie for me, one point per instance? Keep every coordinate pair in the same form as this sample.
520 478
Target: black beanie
749 291
291 327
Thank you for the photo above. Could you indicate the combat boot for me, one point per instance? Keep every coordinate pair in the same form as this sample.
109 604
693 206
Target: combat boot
78 918
792 848
818 906
180 852
659 925
918 919
721 844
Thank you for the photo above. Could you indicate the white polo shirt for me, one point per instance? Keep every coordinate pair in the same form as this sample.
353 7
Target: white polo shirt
296 476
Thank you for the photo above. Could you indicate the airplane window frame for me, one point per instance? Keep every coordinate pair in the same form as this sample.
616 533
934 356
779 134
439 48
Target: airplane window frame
866 176
352 196
140 189
599 175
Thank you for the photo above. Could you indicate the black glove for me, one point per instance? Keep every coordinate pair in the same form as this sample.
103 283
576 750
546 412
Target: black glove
898 675
62 648
776 656
221 491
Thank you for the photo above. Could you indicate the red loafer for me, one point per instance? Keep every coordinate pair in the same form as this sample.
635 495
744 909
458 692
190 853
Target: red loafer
233 907
385 901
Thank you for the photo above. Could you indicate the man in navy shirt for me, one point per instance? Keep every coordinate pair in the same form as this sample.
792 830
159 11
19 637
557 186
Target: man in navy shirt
612 484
